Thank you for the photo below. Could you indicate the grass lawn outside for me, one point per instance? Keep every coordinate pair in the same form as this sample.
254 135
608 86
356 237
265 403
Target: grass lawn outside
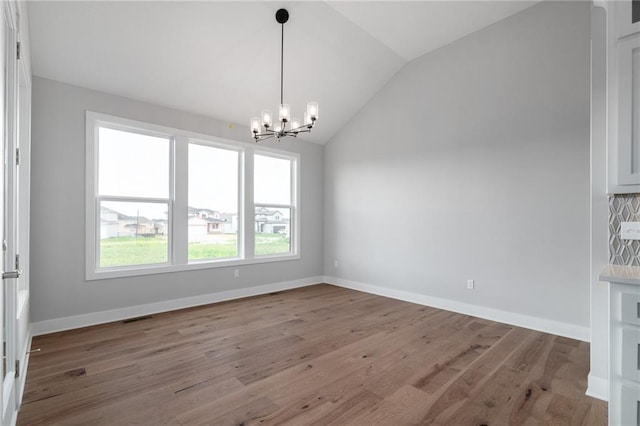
127 251
272 244
216 246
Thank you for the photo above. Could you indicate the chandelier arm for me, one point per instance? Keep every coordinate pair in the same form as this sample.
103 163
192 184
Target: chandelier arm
300 128
303 129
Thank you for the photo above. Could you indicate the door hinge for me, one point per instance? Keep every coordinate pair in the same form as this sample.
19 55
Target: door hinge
4 245
18 53
17 156
17 368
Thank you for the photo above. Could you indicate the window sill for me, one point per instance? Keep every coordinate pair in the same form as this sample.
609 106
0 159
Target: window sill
161 269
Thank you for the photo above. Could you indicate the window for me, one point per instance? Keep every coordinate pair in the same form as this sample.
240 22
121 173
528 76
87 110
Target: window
162 200
133 197
213 202
272 201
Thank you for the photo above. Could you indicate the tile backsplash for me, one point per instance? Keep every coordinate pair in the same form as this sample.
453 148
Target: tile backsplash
623 208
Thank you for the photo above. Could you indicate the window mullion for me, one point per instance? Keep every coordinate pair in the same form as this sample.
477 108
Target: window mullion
132 199
294 221
180 190
273 205
249 215
92 230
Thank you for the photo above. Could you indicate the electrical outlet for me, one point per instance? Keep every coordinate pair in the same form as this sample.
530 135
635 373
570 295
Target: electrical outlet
236 273
335 263
471 285
630 230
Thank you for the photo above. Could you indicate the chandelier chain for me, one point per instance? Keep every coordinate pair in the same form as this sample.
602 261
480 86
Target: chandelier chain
282 67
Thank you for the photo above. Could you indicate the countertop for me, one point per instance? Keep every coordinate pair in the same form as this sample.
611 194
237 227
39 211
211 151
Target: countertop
621 274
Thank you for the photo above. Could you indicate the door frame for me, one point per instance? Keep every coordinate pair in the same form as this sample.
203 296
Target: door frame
9 220
23 139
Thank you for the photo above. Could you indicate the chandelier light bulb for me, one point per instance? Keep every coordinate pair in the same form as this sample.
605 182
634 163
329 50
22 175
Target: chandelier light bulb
285 113
266 119
255 125
295 123
312 110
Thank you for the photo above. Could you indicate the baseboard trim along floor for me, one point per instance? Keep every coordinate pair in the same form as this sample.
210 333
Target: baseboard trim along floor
95 318
534 323
598 387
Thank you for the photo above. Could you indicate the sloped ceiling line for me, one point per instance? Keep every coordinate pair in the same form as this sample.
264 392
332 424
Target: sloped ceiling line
217 58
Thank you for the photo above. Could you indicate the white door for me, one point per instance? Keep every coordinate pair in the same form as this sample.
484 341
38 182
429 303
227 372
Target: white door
8 219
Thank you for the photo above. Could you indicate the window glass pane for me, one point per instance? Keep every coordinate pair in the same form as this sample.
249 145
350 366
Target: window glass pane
133 233
213 203
131 164
272 180
273 230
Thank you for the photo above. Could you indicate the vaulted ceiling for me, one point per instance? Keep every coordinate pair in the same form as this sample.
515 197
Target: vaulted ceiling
222 59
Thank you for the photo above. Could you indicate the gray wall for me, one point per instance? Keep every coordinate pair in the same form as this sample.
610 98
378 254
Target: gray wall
58 287
473 163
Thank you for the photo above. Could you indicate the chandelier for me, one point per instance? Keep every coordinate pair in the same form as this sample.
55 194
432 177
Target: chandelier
264 127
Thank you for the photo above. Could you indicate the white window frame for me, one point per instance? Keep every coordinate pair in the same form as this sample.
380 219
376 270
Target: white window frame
178 200
293 217
133 199
241 213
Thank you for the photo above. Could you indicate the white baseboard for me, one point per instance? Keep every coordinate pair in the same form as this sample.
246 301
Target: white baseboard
540 324
94 318
598 387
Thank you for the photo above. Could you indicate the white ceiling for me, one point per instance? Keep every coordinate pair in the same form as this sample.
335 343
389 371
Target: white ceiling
222 59
413 28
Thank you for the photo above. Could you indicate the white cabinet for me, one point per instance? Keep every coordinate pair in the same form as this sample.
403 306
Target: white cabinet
629 111
631 400
624 344
624 96
624 355
628 17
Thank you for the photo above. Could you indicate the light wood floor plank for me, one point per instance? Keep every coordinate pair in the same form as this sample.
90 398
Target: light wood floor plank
317 355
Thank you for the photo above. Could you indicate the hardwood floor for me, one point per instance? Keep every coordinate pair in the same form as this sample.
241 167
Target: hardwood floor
312 356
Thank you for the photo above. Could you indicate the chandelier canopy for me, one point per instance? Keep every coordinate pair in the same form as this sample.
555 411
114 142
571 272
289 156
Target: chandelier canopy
264 127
